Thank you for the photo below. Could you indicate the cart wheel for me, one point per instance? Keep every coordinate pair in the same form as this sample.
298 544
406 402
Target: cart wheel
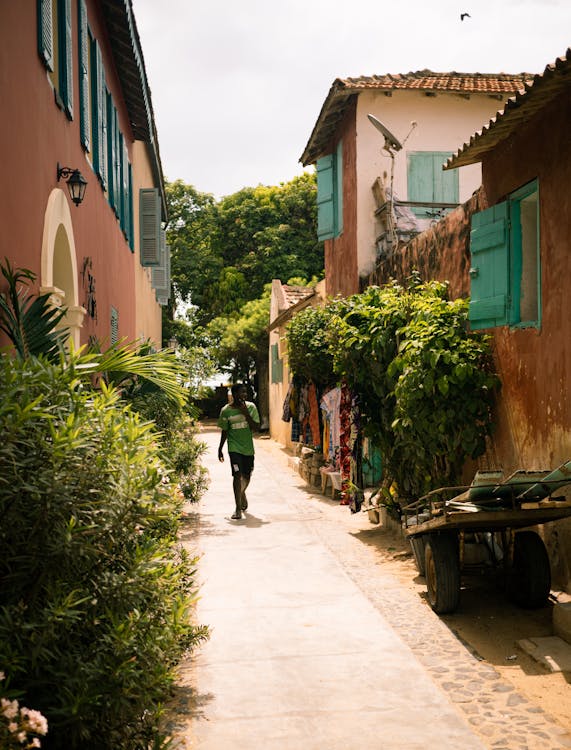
418 544
528 580
442 571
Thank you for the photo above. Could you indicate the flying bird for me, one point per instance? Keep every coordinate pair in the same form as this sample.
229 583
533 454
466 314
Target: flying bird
464 15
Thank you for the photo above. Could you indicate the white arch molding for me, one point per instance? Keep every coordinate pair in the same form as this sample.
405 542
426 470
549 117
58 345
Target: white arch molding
59 276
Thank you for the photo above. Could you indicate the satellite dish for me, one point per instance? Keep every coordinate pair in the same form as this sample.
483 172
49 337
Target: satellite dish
391 142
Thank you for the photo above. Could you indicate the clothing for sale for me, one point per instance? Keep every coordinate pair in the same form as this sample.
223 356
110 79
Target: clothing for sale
314 415
330 406
286 411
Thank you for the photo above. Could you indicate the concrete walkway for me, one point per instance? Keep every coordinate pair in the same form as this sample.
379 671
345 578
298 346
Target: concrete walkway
301 656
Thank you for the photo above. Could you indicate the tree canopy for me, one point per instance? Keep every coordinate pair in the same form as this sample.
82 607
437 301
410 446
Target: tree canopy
224 252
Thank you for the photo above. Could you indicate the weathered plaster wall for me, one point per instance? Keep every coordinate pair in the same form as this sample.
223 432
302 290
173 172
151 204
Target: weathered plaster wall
341 253
441 252
533 414
444 122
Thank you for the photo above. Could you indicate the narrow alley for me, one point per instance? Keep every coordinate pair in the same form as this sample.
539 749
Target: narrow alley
313 645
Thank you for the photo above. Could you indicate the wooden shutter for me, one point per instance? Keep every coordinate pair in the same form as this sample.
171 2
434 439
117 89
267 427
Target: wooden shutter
489 272
277 365
325 198
111 152
445 184
150 226
45 33
99 95
131 226
65 56
84 108
427 182
161 274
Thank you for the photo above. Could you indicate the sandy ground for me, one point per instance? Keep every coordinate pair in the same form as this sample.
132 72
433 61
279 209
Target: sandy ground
486 622
489 625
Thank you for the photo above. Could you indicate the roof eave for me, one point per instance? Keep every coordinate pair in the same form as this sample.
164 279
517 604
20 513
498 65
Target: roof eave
130 66
518 110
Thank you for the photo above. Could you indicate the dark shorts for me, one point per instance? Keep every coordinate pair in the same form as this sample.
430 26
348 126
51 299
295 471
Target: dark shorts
240 464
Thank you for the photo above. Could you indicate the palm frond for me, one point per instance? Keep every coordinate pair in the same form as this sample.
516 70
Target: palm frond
29 322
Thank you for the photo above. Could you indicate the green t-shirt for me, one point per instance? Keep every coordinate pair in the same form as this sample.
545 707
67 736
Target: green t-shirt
234 423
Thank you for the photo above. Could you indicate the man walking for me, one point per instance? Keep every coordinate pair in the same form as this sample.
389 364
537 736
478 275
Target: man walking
237 421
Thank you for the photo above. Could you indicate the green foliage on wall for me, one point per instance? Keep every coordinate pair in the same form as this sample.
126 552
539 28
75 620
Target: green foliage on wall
425 383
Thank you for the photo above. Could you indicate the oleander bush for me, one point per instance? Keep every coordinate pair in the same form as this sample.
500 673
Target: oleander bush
95 592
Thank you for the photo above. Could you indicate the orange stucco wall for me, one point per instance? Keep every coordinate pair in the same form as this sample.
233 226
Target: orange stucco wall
35 135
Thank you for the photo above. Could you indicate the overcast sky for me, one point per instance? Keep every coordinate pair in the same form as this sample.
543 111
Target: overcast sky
237 85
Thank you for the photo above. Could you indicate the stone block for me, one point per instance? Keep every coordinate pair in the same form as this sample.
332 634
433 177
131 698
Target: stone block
562 620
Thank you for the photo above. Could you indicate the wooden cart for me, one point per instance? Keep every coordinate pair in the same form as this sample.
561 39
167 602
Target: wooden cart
455 530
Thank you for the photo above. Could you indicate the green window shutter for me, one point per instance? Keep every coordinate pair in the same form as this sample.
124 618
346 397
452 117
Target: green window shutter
84 112
125 192
427 182
446 186
111 171
45 33
160 275
489 273
277 366
338 178
325 198
65 56
131 227
150 226
117 150
99 127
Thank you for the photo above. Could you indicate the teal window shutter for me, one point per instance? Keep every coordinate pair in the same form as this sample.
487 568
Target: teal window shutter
325 198
65 56
150 226
84 102
45 33
489 272
428 183
338 178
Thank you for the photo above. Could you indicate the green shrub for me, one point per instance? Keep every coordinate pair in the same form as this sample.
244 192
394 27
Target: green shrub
425 382
95 593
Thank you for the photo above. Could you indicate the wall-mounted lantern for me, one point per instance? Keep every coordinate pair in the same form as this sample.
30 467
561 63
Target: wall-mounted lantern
76 183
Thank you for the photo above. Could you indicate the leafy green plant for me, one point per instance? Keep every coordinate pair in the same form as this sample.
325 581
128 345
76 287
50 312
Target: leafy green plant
309 355
29 321
96 595
426 384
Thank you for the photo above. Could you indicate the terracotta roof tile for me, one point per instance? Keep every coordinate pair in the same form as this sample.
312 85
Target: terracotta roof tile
426 80
295 294
501 85
555 79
